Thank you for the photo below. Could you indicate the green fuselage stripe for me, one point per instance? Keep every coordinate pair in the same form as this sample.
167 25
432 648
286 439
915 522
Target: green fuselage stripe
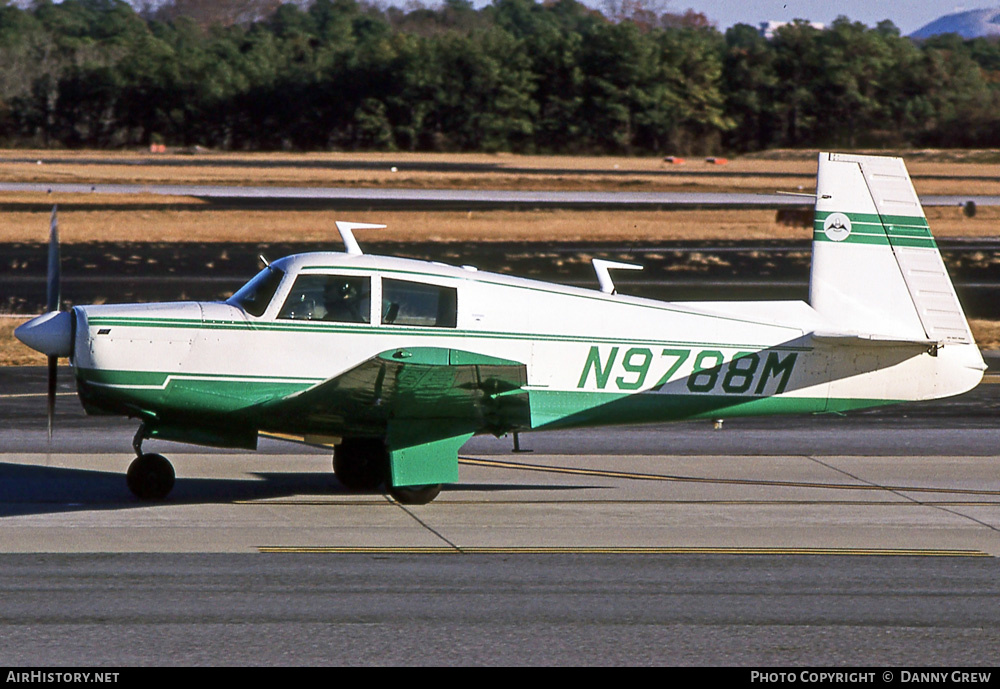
414 331
569 409
176 394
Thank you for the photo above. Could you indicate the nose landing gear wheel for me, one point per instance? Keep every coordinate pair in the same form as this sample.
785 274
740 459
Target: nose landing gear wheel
150 477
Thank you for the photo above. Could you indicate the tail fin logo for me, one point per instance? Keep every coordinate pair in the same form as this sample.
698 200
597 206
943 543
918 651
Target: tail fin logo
837 227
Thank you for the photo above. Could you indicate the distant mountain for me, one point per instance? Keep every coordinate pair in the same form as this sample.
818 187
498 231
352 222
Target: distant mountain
971 24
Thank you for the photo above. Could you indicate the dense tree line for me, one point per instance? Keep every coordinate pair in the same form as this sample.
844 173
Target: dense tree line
515 75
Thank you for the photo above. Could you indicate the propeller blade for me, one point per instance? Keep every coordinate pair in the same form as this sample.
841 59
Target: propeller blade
54 302
52 285
53 361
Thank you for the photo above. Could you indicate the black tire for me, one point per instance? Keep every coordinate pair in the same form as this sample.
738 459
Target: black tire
415 495
150 477
361 463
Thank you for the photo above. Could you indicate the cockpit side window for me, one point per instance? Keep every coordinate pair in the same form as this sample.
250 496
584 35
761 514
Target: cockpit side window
255 296
335 298
414 303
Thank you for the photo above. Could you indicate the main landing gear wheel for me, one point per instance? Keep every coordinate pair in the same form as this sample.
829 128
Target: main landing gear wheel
150 477
360 463
415 495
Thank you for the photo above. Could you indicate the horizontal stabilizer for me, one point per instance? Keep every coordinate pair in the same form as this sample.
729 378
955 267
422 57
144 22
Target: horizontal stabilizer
871 340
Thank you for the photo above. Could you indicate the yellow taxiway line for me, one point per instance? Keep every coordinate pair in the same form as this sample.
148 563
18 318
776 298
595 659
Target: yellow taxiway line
614 550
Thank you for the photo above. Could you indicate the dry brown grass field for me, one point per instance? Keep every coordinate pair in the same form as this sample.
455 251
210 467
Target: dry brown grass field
506 171
153 218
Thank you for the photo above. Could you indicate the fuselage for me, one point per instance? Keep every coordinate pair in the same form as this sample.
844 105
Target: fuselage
591 358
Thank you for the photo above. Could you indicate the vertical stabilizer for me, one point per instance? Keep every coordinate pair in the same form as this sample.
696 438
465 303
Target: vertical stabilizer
876 268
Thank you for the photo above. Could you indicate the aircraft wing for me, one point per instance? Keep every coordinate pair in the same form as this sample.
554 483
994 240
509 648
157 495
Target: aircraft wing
451 391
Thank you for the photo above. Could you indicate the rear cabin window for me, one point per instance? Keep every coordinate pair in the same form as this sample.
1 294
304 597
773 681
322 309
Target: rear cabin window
335 298
414 303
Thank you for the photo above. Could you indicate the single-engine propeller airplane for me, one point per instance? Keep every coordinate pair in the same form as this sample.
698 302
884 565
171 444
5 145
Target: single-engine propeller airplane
399 361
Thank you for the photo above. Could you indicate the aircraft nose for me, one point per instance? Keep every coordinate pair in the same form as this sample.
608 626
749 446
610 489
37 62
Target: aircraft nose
51 333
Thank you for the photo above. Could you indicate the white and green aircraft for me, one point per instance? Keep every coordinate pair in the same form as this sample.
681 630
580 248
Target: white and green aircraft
399 362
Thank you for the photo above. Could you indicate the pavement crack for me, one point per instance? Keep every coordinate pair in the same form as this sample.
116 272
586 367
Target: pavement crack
901 492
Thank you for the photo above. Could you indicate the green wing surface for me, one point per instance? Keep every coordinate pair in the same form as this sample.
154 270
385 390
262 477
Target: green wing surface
443 391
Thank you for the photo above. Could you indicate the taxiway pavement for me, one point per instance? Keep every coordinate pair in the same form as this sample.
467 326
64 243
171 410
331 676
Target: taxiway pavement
921 478
862 540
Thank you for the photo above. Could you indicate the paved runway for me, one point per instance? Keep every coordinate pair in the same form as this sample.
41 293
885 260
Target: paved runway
462 199
752 612
866 539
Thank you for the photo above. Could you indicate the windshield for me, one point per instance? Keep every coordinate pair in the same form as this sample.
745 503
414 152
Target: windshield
254 296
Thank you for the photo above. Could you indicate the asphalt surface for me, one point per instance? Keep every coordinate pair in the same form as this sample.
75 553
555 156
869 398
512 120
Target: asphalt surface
869 539
758 613
348 198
